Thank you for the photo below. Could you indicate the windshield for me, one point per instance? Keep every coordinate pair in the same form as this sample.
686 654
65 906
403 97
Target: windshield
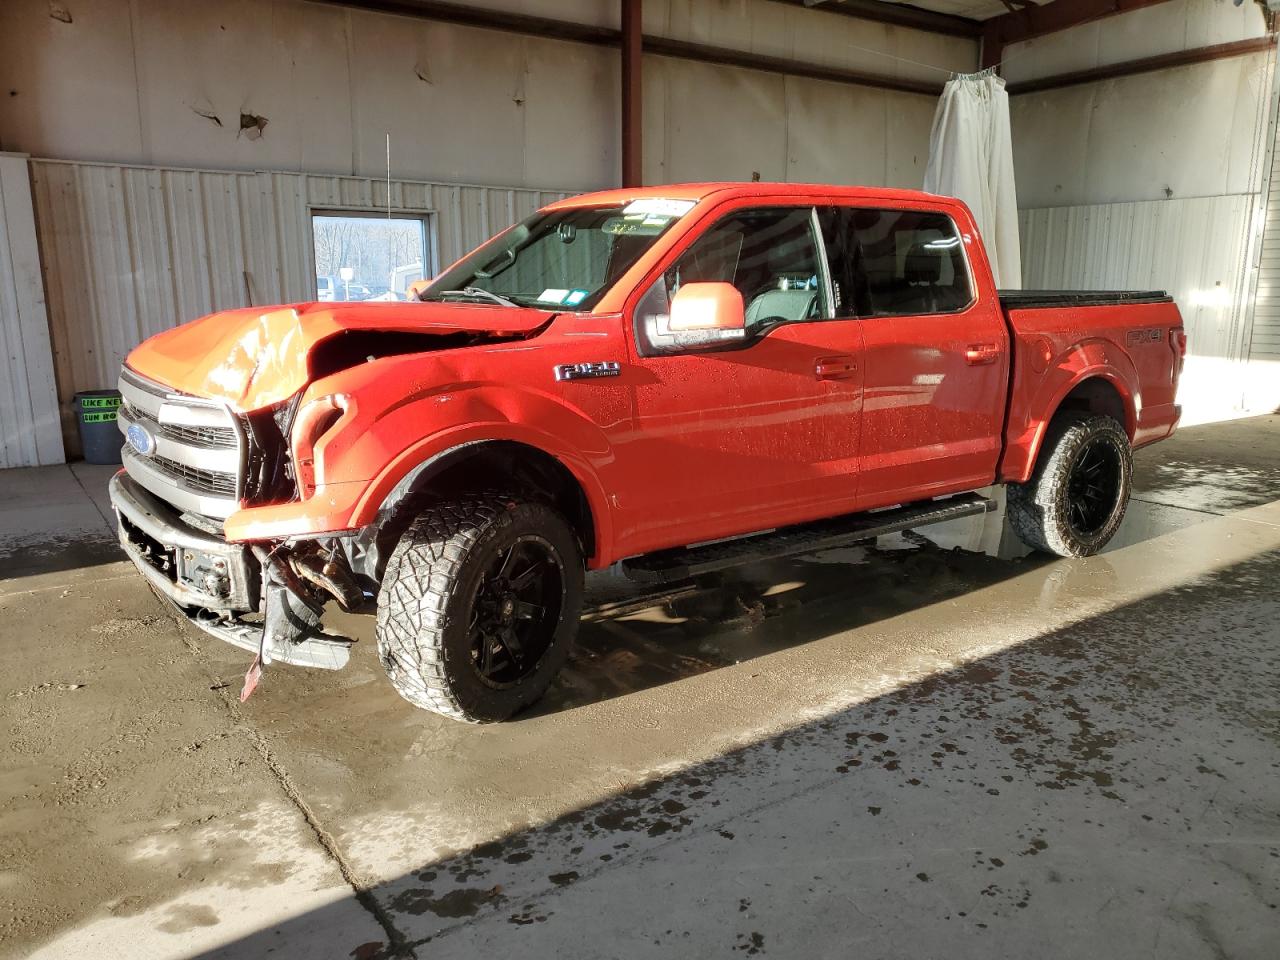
561 259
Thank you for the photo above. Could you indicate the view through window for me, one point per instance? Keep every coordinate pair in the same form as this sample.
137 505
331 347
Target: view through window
368 256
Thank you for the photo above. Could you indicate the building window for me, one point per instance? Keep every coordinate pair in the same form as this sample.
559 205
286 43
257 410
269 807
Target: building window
368 256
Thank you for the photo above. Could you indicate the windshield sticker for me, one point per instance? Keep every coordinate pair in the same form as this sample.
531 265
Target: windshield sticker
575 297
637 224
551 295
658 206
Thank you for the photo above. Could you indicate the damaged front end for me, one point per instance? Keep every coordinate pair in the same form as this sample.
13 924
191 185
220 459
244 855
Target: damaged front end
233 426
266 599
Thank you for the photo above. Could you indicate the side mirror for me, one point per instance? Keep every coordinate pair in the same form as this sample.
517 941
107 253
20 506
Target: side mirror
707 313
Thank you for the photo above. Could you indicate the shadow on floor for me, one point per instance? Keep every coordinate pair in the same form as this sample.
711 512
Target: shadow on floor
763 608
1104 782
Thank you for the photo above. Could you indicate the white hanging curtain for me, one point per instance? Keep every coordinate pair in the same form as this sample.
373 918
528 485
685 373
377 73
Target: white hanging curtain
971 157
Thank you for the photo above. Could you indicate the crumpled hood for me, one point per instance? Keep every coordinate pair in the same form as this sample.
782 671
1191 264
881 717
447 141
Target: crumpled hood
255 357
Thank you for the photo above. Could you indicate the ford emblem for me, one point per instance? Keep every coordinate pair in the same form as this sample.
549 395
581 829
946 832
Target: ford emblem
140 439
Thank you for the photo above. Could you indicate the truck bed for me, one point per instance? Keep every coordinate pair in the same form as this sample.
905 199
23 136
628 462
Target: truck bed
1032 299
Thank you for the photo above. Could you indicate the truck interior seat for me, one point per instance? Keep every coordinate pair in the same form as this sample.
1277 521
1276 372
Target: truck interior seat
789 305
921 273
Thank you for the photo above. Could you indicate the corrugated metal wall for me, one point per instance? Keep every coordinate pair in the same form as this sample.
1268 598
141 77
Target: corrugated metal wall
130 251
1195 248
1265 335
29 432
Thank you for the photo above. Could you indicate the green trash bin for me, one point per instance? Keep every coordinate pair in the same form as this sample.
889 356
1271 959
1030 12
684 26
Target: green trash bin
99 436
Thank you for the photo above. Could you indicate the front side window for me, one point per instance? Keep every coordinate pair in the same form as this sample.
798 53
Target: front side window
770 254
560 259
906 262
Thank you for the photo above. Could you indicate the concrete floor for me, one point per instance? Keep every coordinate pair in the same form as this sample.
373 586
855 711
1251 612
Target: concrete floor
898 750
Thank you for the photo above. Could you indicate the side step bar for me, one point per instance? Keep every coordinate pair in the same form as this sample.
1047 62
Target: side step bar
688 562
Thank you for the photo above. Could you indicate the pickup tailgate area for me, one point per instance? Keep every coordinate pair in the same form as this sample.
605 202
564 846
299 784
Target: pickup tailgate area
1116 351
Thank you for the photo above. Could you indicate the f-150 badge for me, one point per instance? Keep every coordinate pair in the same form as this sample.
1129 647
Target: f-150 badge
581 371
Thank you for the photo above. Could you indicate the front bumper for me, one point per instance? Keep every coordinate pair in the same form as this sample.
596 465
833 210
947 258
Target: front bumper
215 584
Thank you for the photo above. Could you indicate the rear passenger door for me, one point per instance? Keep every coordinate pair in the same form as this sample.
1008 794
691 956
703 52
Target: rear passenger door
936 356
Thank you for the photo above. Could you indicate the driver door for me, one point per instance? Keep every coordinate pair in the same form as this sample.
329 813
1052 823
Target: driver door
759 434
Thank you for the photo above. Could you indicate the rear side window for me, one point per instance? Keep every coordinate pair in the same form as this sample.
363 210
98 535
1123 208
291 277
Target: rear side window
906 262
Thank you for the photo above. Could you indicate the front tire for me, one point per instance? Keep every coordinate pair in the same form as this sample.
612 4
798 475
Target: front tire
479 607
1077 496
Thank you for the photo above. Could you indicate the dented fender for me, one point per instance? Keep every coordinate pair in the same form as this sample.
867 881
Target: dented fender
403 413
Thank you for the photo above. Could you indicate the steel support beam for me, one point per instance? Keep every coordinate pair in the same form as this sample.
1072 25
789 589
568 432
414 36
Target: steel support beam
701 53
1164 61
546 27
1036 21
896 14
632 95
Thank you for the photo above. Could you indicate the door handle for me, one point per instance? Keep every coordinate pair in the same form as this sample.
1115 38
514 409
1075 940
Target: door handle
979 353
835 368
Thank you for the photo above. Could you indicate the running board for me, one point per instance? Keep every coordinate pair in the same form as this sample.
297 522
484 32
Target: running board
685 562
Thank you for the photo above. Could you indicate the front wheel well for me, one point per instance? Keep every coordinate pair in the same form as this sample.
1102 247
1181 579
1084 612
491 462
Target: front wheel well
502 466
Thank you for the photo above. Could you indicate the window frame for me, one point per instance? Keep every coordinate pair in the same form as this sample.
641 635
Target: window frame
700 230
430 234
852 267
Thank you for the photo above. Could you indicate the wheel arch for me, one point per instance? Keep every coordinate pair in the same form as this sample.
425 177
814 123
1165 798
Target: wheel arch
498 464
1104 387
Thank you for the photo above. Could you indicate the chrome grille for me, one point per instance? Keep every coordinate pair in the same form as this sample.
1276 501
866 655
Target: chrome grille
201 436
195 460
193 478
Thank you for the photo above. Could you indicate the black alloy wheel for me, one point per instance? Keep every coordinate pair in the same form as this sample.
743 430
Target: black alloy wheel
1093 487
1075 499
516 612
479 606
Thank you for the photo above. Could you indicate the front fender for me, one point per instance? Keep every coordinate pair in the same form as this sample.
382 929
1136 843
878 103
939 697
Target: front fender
377 445
552 428
1036 398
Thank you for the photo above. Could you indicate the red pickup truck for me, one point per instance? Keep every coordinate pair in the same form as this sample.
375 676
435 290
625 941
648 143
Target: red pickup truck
670 380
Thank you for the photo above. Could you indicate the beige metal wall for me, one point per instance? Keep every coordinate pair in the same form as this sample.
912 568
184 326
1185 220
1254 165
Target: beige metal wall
1152 180
29 434
165 82
130 251
1196 249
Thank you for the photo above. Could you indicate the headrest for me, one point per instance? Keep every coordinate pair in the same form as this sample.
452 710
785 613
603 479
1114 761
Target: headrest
922 265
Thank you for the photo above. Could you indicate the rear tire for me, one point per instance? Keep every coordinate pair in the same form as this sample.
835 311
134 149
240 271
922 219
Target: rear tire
479 607
1077 496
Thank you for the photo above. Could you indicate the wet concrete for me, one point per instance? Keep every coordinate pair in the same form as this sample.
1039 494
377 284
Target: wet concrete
895 749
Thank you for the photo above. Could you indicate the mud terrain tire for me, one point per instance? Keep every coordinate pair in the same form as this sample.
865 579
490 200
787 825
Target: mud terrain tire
1077 496
454 628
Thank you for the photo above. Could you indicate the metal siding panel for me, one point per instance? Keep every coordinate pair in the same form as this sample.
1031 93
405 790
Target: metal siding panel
1264 338
1194 248
131 251
153 282
30 432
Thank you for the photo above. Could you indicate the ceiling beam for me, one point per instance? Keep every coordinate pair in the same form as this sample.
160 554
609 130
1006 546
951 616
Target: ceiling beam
1036 21
1178 58
896 14
489 19
702 53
